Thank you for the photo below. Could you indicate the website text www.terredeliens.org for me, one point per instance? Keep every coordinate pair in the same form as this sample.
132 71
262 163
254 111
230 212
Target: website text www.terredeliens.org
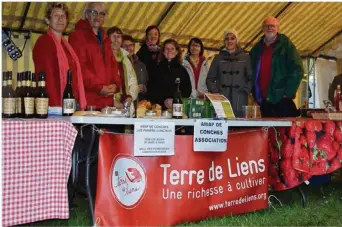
235 202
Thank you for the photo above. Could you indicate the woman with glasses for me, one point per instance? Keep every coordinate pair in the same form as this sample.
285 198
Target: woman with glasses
99 68
139 66
230 73
53 55
162 85
129 85
197 66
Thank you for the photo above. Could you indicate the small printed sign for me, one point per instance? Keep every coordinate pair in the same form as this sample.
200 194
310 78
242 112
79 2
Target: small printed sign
210 135
154 138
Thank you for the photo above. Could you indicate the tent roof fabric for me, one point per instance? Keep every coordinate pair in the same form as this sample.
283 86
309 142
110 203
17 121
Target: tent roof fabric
308 24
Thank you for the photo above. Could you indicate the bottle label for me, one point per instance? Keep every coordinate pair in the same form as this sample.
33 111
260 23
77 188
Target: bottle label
69 106
29 105
8 105
340 105
19 84
42 105
18 105
41 84
34 84
177 110
28 83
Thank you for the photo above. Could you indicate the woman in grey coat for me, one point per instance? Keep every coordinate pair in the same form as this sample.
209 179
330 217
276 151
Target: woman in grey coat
230 73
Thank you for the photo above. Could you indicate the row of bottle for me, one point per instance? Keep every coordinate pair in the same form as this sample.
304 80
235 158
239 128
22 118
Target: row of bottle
28 100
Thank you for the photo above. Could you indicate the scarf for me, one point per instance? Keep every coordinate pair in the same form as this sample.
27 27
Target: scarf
63 66
121 59
152 47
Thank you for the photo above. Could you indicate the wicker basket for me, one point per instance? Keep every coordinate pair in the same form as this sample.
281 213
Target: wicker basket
327 116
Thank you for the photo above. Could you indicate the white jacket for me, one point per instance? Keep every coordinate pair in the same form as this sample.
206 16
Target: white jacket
201 86
132 82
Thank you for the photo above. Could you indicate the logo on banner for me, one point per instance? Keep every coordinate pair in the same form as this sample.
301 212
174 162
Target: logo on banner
128 181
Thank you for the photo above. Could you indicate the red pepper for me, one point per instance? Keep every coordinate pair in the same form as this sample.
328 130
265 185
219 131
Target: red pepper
335 145
291 131
325 149
318 126
298 132
339 125
303 141
334 165
300 124
311 138
319 167
339 154
286 150
329 127
338 135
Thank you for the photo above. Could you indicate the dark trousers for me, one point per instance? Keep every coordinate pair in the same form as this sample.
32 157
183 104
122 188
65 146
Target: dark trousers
284 108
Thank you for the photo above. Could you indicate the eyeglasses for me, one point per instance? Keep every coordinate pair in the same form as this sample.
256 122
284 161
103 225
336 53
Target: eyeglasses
95 13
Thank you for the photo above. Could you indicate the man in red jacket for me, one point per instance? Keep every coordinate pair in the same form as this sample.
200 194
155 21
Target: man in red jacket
99 67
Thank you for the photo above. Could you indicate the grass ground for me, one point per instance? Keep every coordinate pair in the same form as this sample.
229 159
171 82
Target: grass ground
322 210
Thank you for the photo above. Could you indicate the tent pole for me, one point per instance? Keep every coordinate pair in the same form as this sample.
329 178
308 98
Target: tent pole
25 15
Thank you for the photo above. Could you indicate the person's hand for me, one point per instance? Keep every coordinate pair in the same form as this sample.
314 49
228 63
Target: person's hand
118 105
142 88
128 99
200 94
108 90
168 103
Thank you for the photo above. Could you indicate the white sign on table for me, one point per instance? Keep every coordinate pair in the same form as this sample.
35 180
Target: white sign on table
154 138
210 135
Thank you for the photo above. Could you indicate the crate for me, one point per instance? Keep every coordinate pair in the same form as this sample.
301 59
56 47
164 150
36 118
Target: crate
335 116
198 108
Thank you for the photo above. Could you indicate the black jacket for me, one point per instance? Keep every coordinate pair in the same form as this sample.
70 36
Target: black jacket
162 85
148 57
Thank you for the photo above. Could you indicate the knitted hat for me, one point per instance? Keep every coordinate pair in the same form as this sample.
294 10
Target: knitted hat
231 31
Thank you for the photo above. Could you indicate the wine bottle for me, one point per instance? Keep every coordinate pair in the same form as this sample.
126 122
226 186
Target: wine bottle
4 87
35 89
18 96
42 98
9 99
68 102
177 102
28 98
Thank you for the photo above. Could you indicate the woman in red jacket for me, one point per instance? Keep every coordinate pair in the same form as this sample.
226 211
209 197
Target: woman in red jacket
53 55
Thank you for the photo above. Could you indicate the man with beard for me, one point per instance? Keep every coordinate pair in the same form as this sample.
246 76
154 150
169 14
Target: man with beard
277 72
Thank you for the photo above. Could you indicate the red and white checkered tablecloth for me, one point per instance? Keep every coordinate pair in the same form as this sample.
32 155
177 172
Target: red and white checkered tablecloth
36 163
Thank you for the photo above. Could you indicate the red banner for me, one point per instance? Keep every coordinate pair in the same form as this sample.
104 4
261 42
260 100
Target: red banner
309 147
189 186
